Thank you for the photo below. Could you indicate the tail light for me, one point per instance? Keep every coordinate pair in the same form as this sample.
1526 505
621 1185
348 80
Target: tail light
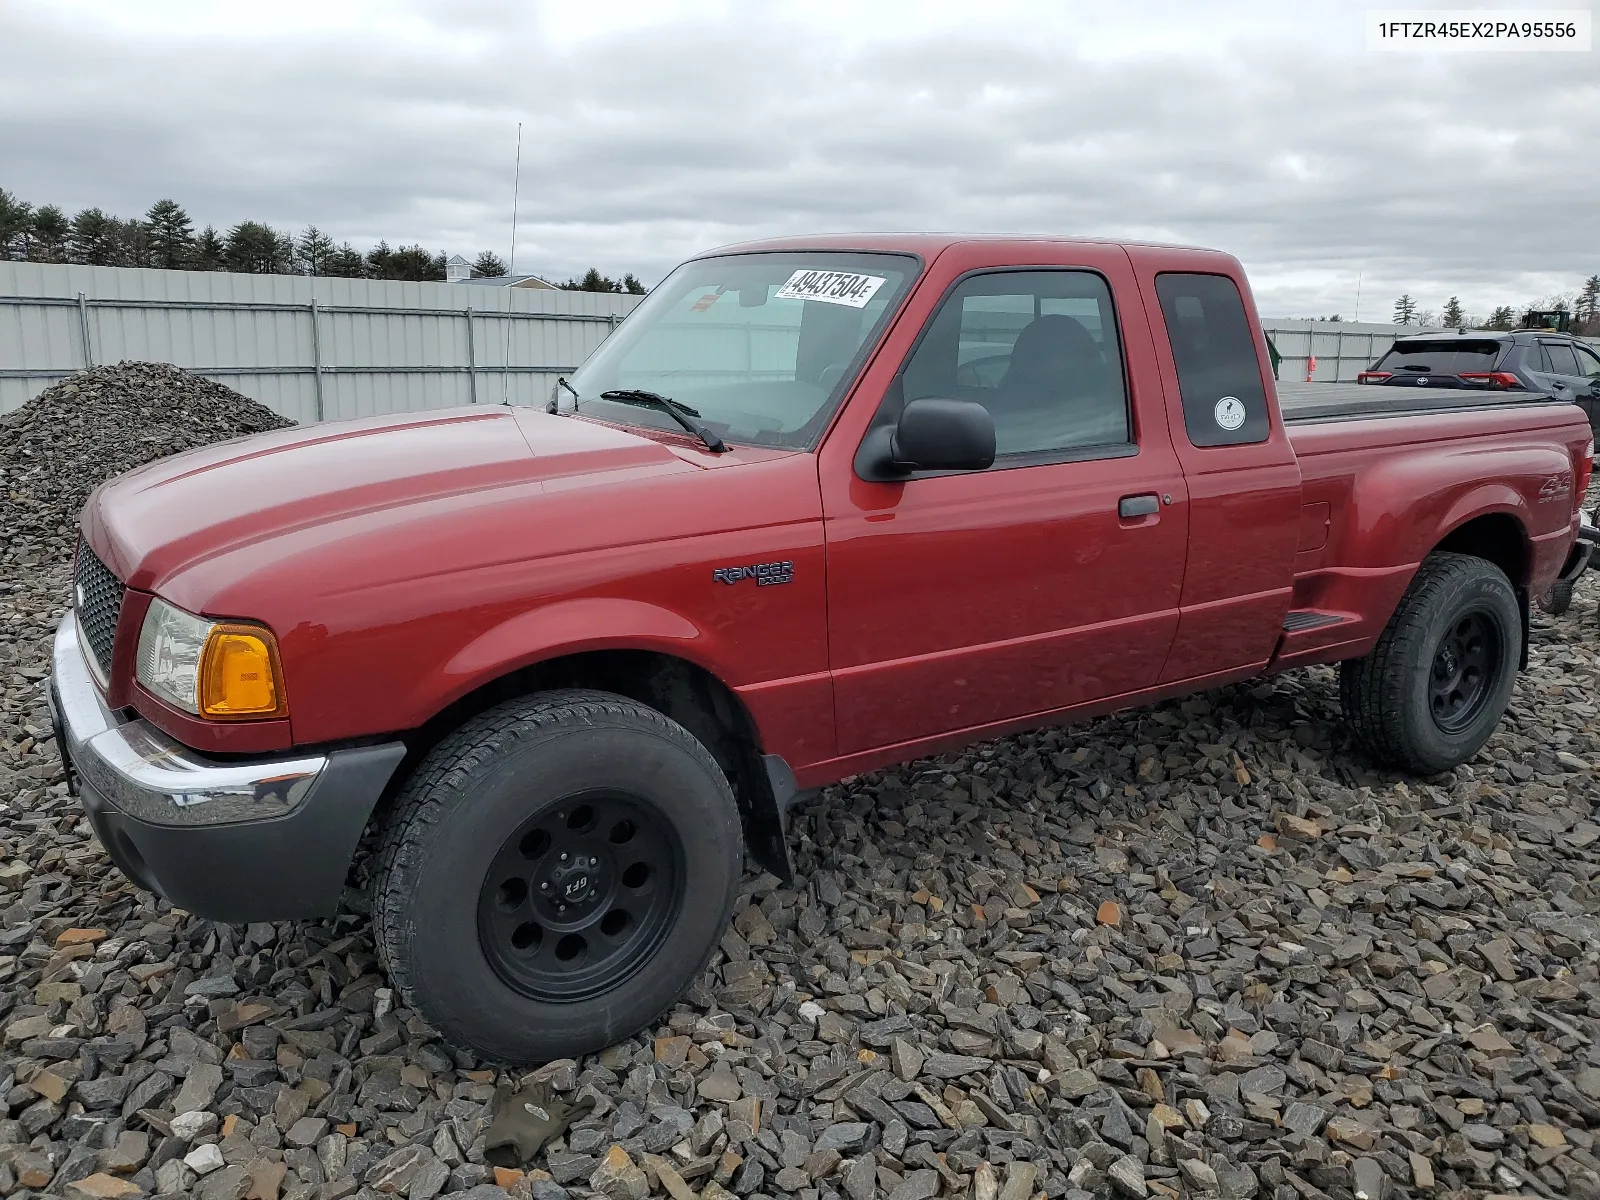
1372 376
1583 471
1498 380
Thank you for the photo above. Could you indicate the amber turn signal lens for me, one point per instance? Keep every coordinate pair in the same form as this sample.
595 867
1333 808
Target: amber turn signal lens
239 674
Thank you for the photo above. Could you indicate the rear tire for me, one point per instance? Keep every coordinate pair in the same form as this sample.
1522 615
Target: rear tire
1437 683
554 875
1558 599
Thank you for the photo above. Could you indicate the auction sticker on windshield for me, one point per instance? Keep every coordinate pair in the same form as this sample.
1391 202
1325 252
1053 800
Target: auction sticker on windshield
831 287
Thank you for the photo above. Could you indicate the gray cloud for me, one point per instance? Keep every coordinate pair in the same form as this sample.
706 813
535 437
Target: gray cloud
1285 142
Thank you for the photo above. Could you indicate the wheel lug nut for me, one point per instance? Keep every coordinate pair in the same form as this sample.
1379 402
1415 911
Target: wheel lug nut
563 857
544 887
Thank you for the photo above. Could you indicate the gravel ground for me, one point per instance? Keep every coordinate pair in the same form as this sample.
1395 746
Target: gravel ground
1202 949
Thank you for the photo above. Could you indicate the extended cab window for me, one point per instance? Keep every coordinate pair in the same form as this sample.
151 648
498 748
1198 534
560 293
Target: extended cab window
1219 375
759 347
1039 350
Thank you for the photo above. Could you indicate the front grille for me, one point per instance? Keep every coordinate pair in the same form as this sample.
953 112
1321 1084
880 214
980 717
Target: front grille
98 597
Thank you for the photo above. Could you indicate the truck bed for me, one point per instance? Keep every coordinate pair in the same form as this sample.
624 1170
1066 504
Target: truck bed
1302 402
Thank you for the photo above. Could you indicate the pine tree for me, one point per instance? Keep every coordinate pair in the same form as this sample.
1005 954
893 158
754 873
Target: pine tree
488 265
256 248
377 261
633 287
171 235
1405 310
1586 309
1501 318
592 281
345 263
286 256
1452 313
16 226
50 230
408 262
210 254
135 247
92 240
315 248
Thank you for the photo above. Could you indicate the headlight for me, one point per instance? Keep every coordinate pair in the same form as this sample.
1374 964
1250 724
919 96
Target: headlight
219 670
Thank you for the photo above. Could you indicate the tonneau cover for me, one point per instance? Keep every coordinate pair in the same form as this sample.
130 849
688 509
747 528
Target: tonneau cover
1346 401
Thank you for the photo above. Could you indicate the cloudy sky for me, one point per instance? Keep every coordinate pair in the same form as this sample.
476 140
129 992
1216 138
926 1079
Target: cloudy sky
651 130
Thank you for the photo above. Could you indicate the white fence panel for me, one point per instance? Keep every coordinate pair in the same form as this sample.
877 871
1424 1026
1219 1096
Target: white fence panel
304 347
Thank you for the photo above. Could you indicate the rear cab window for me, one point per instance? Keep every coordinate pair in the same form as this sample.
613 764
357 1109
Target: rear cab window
1441 356
1219 371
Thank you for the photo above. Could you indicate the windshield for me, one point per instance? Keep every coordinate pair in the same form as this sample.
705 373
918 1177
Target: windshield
758 347
1446 356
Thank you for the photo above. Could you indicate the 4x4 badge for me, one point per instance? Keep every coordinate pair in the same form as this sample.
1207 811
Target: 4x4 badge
765 574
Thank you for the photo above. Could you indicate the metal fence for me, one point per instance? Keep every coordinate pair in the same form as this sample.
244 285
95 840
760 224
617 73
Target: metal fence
311 349
1341 348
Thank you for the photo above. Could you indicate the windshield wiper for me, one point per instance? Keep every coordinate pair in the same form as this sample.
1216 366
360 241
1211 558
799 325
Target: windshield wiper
681 413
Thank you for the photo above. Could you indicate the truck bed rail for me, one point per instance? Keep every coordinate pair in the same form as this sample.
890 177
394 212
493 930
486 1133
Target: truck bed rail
1303 402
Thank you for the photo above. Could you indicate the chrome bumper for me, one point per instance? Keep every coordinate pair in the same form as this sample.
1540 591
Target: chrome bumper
150 777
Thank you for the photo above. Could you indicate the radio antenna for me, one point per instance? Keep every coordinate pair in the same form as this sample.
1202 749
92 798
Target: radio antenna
511 269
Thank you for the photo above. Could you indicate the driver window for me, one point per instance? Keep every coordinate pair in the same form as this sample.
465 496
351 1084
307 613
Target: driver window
1039 350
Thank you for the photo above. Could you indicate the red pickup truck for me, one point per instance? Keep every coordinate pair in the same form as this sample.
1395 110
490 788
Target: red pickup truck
817 506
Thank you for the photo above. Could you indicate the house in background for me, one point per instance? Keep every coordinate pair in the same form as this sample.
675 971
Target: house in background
459 270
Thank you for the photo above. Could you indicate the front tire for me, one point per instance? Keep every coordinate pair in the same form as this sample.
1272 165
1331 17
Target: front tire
1437 683
555 874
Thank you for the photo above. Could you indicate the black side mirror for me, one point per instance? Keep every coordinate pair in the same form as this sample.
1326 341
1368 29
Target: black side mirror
933 434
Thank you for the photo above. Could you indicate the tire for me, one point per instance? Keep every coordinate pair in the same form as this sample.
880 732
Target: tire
1424 700
1558 599
650 829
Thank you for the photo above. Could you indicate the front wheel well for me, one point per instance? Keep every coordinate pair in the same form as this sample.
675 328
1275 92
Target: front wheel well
681 690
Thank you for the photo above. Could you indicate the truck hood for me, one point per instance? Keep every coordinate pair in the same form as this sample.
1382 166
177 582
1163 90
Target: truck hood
343 479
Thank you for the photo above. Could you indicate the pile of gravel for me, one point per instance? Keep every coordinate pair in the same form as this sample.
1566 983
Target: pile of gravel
91 426
1203 949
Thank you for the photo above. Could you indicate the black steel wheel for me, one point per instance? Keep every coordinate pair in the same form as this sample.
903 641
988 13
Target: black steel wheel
1437 683
1465 663
554 875
580 896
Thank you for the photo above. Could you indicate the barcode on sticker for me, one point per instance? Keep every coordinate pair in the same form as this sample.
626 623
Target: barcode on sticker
831 287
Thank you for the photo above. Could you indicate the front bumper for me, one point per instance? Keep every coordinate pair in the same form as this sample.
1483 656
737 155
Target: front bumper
261 840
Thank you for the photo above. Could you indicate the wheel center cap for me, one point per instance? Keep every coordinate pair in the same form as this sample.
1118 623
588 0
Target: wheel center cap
572 884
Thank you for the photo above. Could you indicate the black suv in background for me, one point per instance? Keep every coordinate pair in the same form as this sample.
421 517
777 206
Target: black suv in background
1522 360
